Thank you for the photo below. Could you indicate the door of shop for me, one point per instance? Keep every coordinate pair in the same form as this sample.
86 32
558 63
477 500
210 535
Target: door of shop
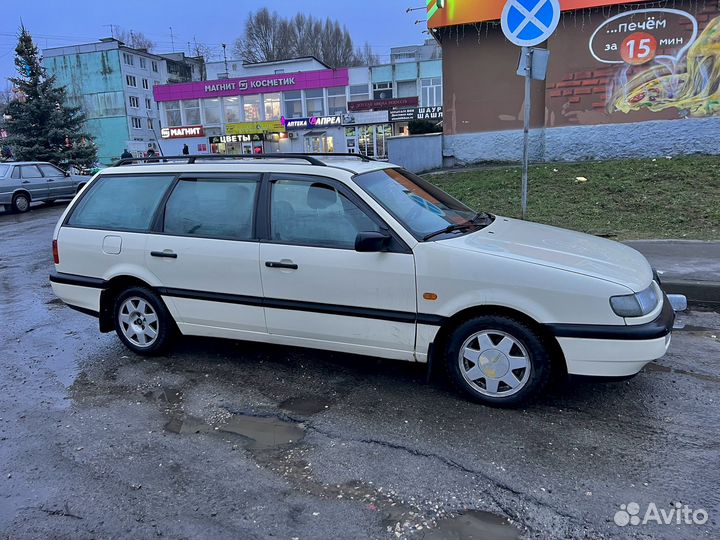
370 140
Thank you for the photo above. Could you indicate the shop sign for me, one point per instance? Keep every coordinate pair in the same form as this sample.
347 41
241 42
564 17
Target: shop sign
182 132
416 113
442 14
312 122
382 104
243 128
366 117
249 137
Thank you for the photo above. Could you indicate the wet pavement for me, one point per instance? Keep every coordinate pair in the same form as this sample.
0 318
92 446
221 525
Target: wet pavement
225 439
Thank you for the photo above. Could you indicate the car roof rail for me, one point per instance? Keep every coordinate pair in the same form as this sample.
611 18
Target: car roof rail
191 159
361 157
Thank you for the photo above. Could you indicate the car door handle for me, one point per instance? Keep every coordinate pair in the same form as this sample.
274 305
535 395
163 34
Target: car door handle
166 254
26 181
51 179
274 264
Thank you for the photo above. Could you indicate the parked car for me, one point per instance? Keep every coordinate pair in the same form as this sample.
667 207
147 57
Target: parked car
23 182
358 256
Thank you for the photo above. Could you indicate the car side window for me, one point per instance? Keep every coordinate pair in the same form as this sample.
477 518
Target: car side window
121 203
314 213
49 170
16 173
212 208
30 171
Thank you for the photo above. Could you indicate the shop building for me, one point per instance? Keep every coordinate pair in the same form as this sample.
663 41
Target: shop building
297 105
113 85
625 79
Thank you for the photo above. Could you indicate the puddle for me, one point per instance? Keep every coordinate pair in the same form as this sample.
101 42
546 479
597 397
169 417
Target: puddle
305 405
261 432
171 396
665 369
473 525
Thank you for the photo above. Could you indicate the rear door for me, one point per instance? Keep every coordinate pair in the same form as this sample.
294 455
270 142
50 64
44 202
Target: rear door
205 253
318 288
58 184
31 179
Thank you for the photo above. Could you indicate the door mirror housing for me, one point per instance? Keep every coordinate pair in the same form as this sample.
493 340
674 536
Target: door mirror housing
368 242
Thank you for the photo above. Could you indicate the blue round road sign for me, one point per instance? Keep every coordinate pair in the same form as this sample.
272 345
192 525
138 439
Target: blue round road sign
527 23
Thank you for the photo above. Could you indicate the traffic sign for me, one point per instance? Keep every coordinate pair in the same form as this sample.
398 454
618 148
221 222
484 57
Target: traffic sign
527 23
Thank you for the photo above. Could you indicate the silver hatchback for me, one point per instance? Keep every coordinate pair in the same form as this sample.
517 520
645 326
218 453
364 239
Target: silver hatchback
23 182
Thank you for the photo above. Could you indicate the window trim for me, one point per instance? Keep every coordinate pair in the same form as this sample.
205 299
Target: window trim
158 222
22 169
396 245
92 186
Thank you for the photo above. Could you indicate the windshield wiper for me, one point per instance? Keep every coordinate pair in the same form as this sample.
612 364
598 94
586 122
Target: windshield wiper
482 219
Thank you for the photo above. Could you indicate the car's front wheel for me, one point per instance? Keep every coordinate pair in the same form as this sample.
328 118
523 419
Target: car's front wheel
497 360
142 322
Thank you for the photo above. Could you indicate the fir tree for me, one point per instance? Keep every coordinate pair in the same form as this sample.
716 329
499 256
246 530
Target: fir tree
41 126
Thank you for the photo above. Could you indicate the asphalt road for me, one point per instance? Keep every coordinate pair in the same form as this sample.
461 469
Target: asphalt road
226 439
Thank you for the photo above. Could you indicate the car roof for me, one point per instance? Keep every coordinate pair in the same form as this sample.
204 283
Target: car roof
267 163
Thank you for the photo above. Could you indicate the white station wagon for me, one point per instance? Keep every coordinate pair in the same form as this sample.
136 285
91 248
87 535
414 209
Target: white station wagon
353 255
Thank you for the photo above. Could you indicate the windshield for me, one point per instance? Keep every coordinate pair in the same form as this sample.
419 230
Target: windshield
421 207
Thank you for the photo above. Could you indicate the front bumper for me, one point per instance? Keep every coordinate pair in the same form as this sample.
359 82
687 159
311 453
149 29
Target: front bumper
614 351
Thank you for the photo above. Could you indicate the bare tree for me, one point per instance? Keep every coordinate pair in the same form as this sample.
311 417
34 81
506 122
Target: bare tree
268 37
136 40
364 56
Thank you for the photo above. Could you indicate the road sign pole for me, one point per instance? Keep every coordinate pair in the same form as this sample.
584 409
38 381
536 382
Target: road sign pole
527 51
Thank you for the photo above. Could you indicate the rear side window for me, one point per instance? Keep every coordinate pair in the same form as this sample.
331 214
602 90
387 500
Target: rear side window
15 173
121 203
212 208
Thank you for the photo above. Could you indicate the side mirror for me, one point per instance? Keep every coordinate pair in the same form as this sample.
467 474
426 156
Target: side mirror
367 242
67 173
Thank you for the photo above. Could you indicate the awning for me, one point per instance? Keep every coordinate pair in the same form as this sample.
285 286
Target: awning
315 133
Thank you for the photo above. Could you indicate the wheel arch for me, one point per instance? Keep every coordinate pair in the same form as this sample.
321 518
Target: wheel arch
107 298
438 345
22 191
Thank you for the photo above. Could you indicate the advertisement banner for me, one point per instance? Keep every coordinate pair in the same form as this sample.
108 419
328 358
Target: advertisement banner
416 113
312 122
472 11
382 104
244 128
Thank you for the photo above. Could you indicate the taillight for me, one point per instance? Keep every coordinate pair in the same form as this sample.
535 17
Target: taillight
56 254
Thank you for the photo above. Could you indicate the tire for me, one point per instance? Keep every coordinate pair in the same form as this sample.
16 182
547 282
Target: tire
142 322
21 203
497 360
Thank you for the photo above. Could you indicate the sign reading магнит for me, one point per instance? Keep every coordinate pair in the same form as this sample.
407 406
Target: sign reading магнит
182 132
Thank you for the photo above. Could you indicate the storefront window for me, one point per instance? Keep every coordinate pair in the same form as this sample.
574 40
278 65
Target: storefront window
407 89
359 92
382 132
191 110
231 105
271 103
172 111
293 104
431 95
211 109
251 105
337 102
382 90
314 102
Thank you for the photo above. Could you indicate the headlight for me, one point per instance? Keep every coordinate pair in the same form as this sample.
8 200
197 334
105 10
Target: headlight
636 305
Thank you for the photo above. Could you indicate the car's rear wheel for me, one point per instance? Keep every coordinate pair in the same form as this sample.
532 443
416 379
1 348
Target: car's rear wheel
142 322
21 202
497 360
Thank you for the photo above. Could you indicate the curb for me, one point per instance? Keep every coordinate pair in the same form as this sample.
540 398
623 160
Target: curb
698 293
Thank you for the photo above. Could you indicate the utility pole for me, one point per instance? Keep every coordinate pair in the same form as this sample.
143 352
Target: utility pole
225 59
172 40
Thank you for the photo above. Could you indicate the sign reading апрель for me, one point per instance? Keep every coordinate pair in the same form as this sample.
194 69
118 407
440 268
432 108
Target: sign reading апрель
527 23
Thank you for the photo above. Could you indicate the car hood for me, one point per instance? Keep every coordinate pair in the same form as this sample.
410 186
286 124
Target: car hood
559 248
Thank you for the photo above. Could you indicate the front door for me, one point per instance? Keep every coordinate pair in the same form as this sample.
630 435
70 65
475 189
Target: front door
58 184
318 288
206 256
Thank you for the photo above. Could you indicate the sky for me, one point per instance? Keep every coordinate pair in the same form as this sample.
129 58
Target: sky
383 23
